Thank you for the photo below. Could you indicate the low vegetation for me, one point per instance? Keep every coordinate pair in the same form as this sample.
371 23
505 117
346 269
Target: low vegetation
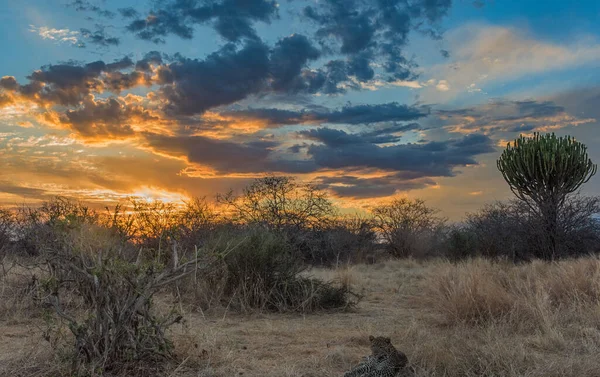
150 288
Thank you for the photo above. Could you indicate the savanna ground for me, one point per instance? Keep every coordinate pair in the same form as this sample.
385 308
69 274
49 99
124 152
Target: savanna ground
473 318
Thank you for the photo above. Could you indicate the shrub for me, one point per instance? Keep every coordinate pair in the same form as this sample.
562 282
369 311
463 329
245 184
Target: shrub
279 202
460 244
510 230
410 228
345 240
43 227
264 272
118 330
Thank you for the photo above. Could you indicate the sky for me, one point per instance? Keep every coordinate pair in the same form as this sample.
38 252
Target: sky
102 100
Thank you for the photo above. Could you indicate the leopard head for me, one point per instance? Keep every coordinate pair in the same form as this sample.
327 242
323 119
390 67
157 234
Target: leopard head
380 345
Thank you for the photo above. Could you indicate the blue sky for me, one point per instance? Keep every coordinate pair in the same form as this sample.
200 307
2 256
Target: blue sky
101 100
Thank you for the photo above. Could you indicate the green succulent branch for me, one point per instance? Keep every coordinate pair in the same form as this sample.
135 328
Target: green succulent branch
542 170
545 166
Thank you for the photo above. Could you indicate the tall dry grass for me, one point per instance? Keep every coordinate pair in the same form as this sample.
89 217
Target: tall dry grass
530 295
498 319
476 318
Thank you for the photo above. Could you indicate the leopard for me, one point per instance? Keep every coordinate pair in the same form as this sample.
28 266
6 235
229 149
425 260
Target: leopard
385 360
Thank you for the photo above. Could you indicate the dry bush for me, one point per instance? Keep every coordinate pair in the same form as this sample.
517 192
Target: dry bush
263 272
279 202
410 228
342 240
512 230
116 328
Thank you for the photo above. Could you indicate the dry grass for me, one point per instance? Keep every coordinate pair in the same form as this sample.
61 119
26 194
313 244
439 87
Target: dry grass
476 318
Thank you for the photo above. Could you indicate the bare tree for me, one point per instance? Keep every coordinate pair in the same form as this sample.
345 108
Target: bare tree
280 202
409 227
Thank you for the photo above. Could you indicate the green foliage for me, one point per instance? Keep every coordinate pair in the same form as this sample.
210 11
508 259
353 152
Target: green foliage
545 167
541 171
263 272
460 244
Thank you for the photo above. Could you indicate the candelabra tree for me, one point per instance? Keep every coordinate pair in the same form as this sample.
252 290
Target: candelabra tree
542 171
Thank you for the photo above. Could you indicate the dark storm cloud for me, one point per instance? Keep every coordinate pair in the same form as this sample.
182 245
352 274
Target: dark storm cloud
8 83
118 65
150 58
272 117
359 187
232 19
429 159
359 66
394 128
64 84
505 116
359 34
110 118
128 12
193 86
68 75
116 82
364 114
338 138
99 37
224 156
68 83
358 114
89 6
288 58
370 31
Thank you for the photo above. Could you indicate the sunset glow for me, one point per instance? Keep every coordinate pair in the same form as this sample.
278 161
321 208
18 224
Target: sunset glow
103 101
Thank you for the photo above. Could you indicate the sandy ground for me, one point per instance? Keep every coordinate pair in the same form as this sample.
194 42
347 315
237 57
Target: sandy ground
228 344
221 343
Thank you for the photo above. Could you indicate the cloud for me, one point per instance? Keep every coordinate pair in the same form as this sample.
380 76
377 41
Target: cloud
232 19
193 86
128 12
349 114
483 54
370 31
338 138
505 116
289 57
442 86
9 83
152 58
66 84
376 113
106 119
58 35
239 157
88 6
358 187
99 37
363 40
22 191
427 159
